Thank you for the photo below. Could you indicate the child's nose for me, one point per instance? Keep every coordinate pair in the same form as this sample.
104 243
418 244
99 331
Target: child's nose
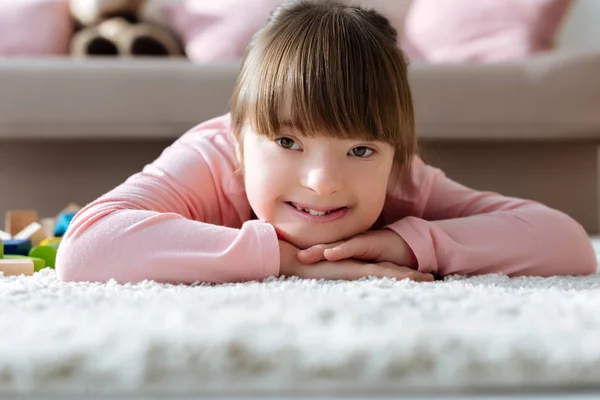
324 180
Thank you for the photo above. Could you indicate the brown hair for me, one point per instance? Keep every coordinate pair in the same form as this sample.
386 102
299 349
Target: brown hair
323 66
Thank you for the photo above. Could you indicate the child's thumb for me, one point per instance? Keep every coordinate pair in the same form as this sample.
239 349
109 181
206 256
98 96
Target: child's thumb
311 255
358 248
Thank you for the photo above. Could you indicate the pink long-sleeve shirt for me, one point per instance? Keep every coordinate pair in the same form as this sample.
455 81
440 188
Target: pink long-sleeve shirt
185 218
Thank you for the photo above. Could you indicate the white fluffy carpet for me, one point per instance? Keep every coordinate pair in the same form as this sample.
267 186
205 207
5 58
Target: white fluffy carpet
299 336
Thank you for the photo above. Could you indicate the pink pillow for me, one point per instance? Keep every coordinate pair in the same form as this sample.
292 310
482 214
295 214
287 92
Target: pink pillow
481 30
219 30
215 30
35 27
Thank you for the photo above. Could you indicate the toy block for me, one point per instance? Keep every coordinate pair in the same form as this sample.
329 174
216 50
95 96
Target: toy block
38 263
17 220
63 222
1 249
71 207
51 241
46 253
5 235
48 226
33 232
11 267
17 246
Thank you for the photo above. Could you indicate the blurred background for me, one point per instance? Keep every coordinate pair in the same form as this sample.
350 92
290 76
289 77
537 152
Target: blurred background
507 93
581 29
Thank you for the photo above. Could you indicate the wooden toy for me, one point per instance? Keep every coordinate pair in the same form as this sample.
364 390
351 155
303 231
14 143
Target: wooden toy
38 263
30 245
71 207
19 266
46 253
5 235
51 241
62 223
17 246
17 220
48 226
34 232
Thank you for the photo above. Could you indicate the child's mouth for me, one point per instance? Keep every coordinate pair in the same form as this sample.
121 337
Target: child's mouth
326 214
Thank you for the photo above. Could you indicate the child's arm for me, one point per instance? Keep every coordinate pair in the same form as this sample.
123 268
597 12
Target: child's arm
149 227
457 230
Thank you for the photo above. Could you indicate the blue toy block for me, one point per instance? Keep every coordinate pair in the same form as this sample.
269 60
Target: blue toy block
17 246
62 223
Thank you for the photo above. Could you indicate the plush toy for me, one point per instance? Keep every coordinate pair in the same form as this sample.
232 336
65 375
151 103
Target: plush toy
116 28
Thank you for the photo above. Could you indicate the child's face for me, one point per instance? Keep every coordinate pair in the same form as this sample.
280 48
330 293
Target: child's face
316 173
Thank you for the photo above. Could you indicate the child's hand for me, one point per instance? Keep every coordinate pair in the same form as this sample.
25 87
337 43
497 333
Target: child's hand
345 269
373 246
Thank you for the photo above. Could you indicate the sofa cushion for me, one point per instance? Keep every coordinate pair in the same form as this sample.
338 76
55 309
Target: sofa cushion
556 95
550 96
113 98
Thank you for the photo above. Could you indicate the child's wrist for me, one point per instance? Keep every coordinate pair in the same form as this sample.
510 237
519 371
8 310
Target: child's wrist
287 258
410 258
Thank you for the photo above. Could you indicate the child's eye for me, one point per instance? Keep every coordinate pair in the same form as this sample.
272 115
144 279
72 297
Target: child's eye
362 151
287 143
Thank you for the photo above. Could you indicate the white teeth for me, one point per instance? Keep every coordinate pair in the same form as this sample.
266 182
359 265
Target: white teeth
318 213
311 212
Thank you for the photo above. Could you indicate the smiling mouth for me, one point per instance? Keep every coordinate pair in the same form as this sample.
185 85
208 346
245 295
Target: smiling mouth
314 212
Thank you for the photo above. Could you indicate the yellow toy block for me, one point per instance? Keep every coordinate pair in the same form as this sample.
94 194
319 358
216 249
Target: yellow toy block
51 241
19 266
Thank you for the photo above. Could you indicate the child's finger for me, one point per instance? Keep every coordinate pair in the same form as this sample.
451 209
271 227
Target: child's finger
336 253
311 255
422 277
315 253
358 248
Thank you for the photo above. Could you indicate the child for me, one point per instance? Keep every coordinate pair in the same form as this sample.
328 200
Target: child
314 173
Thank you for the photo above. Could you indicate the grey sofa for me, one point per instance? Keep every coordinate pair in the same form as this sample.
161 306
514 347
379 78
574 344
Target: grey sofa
71 130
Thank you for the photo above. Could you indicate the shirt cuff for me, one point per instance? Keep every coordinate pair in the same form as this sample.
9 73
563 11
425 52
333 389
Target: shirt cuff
415 231
269 244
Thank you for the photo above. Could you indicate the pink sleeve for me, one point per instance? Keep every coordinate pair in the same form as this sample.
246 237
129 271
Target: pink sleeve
457 230
172 222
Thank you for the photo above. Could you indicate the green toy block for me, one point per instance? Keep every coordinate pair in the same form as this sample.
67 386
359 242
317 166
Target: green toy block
38 263
46 253
1 250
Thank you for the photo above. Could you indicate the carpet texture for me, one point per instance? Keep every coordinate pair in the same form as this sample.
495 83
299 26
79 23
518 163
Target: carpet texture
299 336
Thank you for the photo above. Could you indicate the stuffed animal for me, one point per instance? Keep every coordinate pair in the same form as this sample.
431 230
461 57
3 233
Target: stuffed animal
116 28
